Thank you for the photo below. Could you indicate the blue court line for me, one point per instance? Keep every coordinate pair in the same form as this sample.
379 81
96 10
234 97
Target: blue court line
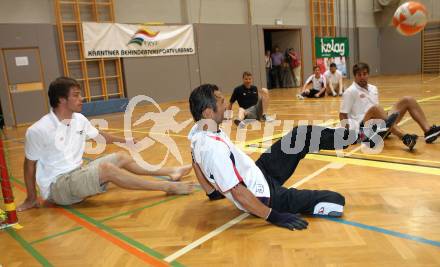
383 231
356 224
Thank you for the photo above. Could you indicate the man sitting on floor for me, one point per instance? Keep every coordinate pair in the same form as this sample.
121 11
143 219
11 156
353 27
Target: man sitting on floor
257 187
253 103
318 82
361 103
56 165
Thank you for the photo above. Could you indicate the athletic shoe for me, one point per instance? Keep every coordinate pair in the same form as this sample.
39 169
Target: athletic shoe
267 118
242 124
410 140
334 94
383 132
340 94
300 97
432 134
385 136
389 122
336 214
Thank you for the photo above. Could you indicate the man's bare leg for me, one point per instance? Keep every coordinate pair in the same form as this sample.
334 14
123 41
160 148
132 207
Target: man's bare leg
377 112
341 89
409 104
128 163
241 113
330 91
265 99
109 172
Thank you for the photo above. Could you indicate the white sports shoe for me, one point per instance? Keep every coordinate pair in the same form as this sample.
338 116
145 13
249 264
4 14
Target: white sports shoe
300 97
267 118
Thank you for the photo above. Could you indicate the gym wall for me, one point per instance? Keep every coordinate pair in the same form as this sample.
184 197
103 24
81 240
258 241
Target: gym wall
226 43
28 24
401 54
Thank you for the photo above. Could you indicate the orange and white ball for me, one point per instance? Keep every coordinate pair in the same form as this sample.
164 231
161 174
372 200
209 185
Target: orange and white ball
410 18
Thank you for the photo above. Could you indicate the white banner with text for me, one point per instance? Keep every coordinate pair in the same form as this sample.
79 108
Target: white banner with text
103 40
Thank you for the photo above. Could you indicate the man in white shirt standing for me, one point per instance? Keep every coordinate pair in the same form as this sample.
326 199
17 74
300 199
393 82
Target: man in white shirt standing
318 85
334 80
54 148
257 187
361 103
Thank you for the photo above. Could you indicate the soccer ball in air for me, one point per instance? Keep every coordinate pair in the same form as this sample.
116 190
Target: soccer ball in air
410 18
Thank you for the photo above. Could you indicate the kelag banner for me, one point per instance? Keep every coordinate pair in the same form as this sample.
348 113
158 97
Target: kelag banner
326 47
129 40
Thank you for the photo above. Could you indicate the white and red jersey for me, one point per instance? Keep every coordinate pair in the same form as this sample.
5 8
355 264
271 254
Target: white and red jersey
358 100
318 83
225 166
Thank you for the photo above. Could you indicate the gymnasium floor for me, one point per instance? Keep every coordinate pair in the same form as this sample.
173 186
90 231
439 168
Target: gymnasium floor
392 215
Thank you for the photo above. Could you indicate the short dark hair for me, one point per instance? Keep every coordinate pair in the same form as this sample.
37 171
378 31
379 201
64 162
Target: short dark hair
246 73
315 66
60 89
359 67
201 98
333 65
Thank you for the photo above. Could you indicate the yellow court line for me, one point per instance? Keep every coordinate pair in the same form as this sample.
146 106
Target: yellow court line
15 147
389 157
377 164
302 114
419 101
12 140
275 136
432 79
323 100
359 162
366 163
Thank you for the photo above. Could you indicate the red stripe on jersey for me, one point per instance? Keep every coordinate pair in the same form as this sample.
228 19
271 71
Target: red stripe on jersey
240 179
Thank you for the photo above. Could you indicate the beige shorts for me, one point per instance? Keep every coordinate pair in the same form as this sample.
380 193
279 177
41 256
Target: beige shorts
255 112
75 186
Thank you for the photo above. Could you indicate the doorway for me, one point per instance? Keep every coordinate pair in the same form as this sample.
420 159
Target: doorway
287 73
25 84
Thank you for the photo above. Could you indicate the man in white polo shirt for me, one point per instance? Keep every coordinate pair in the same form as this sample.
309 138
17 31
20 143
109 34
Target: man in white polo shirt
334 80
361 103
257 187
318 85
54 148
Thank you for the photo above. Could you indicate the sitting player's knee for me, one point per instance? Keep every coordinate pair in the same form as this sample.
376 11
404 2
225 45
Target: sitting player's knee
106 169
408 99
376 108
123 156
265 91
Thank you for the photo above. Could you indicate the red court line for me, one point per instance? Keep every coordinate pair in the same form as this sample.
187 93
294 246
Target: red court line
144 257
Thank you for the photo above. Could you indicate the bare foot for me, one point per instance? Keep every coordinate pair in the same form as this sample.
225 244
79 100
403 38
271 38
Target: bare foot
179 172
180 188
28 204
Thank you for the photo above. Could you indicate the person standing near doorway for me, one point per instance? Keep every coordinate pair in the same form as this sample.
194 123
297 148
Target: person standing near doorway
268 64
295 66
277 61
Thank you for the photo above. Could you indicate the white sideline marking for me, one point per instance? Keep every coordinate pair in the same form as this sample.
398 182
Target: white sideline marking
243 216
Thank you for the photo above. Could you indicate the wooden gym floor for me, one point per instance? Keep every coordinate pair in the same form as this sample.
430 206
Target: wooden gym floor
392 215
